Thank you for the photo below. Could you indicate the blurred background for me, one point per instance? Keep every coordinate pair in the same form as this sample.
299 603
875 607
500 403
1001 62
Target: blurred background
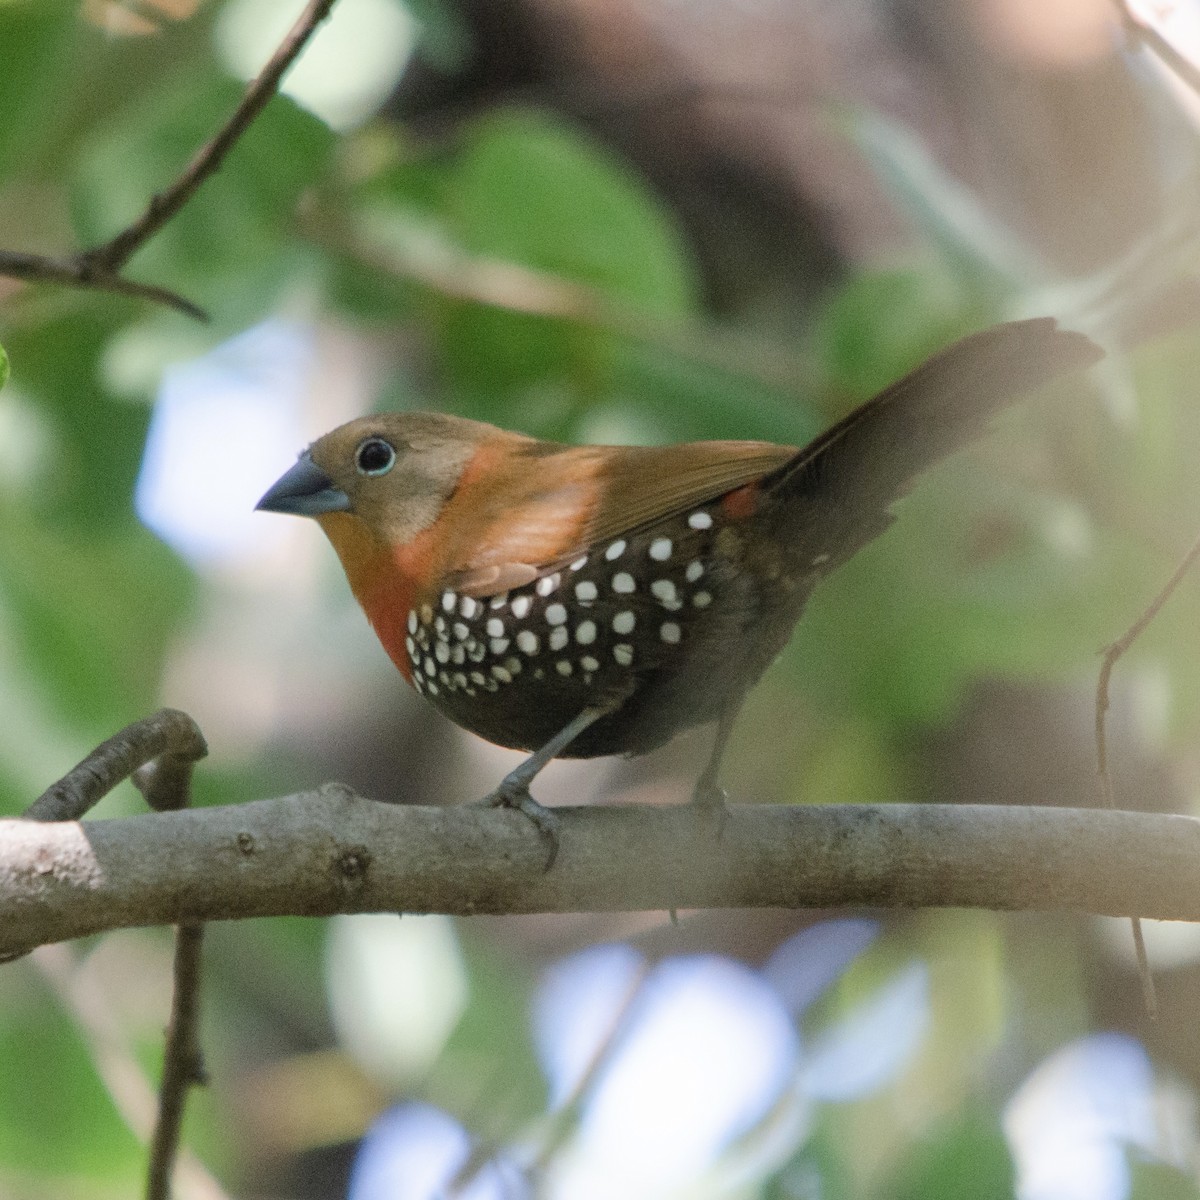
635 220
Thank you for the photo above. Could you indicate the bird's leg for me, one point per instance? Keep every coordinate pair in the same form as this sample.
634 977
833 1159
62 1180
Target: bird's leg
709 798
513 791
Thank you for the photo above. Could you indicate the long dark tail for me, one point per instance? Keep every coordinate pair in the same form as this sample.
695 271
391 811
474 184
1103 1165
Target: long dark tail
851 474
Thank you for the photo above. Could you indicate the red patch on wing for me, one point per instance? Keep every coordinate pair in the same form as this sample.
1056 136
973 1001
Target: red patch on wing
741 502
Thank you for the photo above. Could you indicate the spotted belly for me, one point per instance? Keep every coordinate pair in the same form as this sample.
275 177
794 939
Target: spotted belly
516 667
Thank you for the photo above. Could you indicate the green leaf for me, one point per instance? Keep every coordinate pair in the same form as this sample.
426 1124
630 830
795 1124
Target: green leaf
37 44
46 1073
966 1157
4 369
94 614
529 190
1159 1181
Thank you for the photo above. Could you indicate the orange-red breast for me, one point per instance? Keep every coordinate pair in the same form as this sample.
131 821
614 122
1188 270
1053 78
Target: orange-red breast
591 600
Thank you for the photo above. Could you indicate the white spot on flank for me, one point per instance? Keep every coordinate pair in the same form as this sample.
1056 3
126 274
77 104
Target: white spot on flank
624 622
563 667
702 599
588 663
615 550
458 655
670 632
586 592
556 614
449 600
558 638
623 582
468 607
527 641
513 665
430 667
585 633
412 622
700 520
547 584
433 688
520 607
660 549
426 614
501 674
498 601
410 646
460 680
478 678
579 563
440 625
442 652
498 645
623 653
461 631
664 589
495 627
694 571
820 558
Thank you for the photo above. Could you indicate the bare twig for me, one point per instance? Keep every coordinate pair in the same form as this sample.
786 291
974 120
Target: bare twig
115 1059
39 268
183 1064
1107 792
159 753
169 736
450 271
100 266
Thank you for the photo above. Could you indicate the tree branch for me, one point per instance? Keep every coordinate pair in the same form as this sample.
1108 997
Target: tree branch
331 851
100 266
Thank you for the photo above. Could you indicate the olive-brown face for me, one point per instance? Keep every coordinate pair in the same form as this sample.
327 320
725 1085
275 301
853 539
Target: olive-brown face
393 472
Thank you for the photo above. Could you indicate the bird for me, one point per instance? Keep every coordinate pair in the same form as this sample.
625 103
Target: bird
578 601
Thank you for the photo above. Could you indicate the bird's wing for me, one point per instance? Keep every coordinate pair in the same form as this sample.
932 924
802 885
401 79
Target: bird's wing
536 518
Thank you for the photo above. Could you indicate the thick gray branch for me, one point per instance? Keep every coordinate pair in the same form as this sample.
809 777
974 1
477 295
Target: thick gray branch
330 851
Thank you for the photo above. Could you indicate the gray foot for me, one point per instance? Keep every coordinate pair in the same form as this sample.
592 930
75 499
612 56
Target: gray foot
516 796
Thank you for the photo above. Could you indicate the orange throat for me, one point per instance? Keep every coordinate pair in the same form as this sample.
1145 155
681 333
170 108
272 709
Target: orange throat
383 578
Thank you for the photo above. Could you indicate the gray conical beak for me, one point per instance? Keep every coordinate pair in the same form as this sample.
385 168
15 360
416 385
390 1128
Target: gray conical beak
304 490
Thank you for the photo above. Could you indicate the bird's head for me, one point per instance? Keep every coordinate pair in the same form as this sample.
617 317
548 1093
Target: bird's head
385 477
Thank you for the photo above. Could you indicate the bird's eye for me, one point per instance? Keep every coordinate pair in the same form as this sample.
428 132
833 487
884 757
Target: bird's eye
375 457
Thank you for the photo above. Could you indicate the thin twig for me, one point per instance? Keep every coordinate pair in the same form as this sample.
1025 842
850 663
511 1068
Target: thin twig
183 1064
39 268
1107 792
565 1116
114 1057
450 271
159 753
99 267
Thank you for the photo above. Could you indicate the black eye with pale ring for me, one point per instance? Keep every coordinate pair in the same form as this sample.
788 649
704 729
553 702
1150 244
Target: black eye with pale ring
374 457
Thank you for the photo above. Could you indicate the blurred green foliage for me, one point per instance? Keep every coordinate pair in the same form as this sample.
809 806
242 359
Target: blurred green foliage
1019 560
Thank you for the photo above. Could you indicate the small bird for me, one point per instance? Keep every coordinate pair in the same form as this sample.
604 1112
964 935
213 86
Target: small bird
576 601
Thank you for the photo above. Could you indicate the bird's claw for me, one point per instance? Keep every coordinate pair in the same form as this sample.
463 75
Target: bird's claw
517 797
